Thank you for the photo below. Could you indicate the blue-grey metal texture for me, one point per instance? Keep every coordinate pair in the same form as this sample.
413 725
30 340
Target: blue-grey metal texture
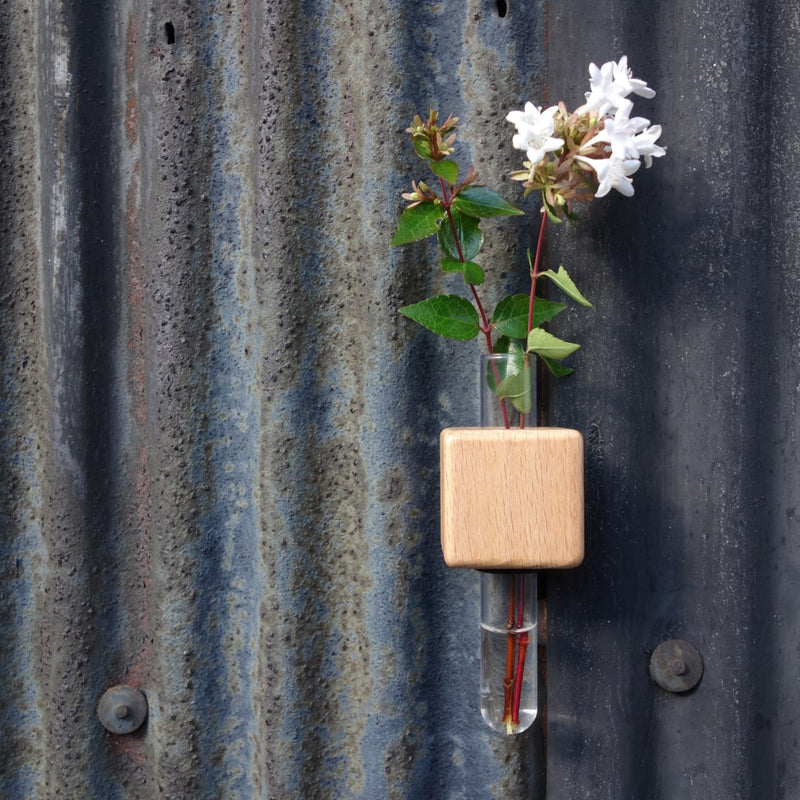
219 441
218 456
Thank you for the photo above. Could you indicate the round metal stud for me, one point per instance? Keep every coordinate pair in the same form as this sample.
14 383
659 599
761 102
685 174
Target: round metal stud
676 666
122 709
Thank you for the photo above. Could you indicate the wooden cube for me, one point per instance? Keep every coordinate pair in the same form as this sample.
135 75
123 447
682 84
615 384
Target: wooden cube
512 499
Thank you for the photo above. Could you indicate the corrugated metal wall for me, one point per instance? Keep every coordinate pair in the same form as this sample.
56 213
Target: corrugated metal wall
687 395
220 440
218 459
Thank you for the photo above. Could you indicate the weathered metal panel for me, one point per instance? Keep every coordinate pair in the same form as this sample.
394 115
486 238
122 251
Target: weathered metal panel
220 442
687 393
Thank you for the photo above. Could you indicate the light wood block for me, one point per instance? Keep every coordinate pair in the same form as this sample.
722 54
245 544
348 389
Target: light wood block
512 499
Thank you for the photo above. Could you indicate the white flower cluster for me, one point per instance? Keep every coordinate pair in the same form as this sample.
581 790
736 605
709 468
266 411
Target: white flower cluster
615 151
535 130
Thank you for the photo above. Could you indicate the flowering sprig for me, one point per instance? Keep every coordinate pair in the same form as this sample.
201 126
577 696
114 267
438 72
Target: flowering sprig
452 212
572 159
578 156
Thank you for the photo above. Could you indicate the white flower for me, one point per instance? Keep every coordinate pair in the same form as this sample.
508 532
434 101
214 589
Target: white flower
619 133
628 138
612 173
645 143
610 85
534 131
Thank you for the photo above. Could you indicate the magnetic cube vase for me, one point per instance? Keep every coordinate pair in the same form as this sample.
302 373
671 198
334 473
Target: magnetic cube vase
512 499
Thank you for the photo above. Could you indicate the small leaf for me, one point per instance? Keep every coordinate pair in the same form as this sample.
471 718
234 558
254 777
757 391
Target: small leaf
545 310
517 389
498 369
448 315
423 148
417 222
545 344
511 316
447 170
564 282
551 211
480 201
469 235
451 264
558 370
472 272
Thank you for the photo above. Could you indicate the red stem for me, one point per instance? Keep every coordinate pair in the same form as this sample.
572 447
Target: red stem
508 681
522 646
485 327
521 639
535 270
522 643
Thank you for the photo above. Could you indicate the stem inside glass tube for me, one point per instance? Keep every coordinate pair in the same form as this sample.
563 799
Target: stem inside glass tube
508 650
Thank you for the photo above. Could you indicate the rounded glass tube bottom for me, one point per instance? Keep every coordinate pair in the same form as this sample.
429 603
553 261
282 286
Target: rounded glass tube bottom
509 636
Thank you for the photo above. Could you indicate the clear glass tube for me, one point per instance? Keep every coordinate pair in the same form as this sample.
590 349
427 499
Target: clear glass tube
509 613
509 690
515 405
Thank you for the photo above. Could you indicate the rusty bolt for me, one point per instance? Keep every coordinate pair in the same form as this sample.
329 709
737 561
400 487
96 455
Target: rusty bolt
679 667
676 666
122 709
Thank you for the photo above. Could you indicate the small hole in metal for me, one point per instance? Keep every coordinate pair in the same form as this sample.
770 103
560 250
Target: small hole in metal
502 8
169 32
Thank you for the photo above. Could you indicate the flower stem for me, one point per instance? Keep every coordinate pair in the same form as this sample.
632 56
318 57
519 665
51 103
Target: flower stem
531 302
518 642
508 680
535 271
522 646
485 327
516 651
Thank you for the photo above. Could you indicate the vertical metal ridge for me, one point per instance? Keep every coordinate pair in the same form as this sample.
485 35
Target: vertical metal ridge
231 469
23 439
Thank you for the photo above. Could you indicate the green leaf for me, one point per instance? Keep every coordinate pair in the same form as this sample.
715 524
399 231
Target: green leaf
472 272
447 315
511 315
517 389
469 235
510 378
423 148
564 282
545 344
480 201
417 222
498 370
451 264
447 170
506 345
545 310
559 370
551 211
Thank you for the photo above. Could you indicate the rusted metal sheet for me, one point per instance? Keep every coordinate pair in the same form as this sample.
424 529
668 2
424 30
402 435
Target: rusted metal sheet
218 456
219 440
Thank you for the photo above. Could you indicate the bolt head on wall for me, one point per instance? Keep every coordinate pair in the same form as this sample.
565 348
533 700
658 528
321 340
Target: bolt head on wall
676 666
122 709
